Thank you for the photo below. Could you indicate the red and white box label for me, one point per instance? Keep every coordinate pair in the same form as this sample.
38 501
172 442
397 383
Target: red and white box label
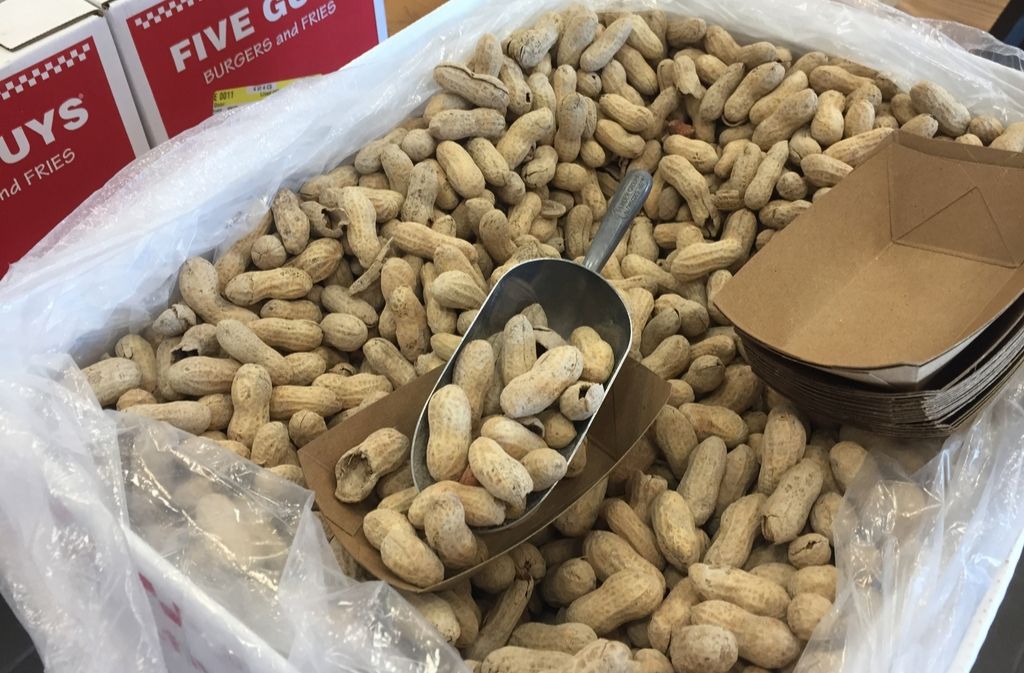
190 58
60 140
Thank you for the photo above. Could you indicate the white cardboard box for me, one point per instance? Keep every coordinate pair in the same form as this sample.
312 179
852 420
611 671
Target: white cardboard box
187 59
67 118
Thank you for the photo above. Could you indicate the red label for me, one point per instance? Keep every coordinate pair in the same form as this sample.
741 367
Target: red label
61 138
191 49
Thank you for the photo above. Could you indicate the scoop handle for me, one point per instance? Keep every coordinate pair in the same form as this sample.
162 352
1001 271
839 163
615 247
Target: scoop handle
625 204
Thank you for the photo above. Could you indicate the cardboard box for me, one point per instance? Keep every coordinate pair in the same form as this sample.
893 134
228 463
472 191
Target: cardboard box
896 270
630 408
67 119
187 59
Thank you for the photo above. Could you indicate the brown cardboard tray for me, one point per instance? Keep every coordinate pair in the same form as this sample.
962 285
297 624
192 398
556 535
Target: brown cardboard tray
632 404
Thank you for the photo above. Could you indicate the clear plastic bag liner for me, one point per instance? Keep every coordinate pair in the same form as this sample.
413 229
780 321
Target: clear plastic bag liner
249 540
112 265
344 625
64 566
918 547
225 523
74 476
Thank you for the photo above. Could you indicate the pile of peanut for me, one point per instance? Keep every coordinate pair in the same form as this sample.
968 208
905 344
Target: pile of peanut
484 467
513 453
709 550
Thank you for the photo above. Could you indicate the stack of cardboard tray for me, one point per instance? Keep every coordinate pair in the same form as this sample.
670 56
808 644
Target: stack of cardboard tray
894 304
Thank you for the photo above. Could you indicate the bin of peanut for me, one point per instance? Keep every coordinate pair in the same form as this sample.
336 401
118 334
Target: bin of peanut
711 551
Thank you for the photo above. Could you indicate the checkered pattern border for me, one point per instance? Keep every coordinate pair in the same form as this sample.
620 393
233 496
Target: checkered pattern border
162 11
41 72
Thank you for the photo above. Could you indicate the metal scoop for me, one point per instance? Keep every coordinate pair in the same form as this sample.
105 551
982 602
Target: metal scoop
572 295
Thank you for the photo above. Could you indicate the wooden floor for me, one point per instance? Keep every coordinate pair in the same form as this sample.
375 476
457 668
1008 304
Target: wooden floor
401 13
979 13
